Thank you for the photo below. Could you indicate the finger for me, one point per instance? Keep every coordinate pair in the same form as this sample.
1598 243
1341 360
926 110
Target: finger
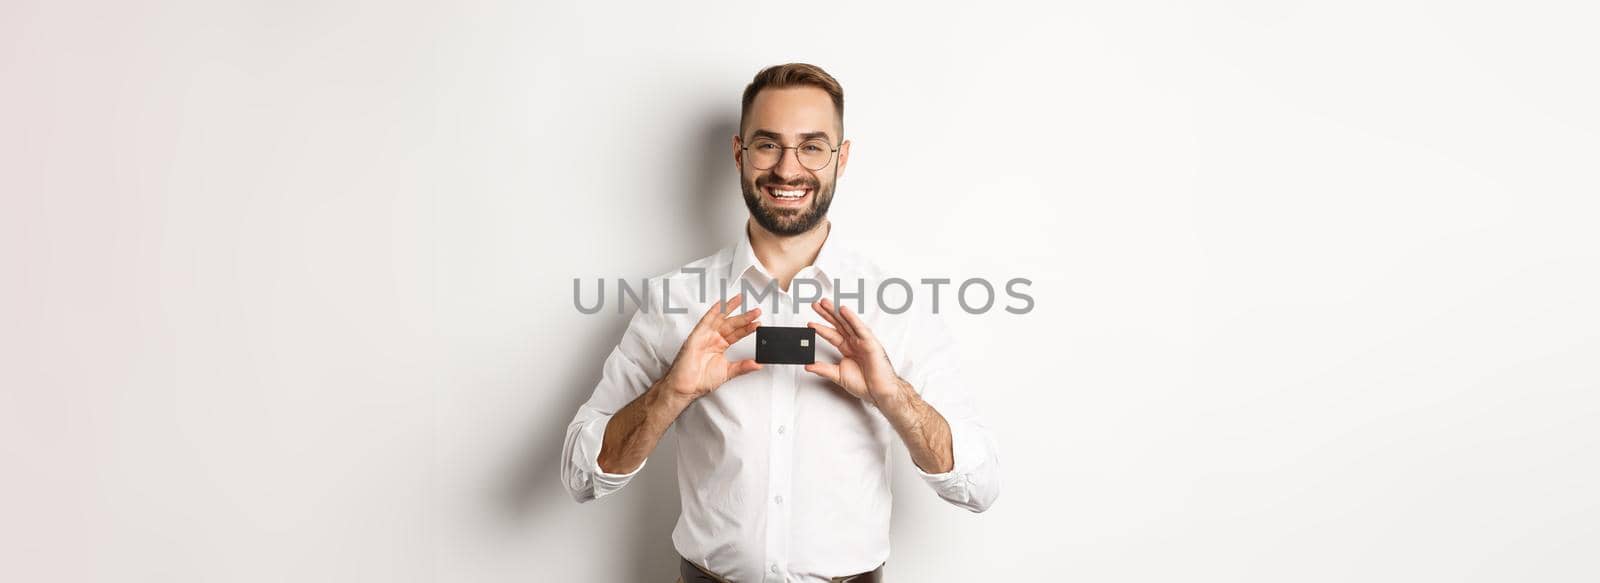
738 334
824 308
714 315
741 320
733 303
841 323
711 316
832 336
857 325
740 326
825 370
743 367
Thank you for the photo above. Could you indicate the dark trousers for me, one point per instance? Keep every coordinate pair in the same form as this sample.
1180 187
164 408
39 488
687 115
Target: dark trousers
690 573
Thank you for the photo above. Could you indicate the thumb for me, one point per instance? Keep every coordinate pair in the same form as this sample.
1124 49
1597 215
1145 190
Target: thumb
742 367
824 370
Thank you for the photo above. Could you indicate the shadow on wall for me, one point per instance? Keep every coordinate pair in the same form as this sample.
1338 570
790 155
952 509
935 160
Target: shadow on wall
651 499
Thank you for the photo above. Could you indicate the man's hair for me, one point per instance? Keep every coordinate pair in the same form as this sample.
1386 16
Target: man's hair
794 75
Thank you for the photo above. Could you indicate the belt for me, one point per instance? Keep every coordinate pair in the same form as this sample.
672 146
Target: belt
692 573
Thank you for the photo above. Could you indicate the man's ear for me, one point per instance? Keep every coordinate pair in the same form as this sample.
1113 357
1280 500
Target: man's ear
738 155
844 156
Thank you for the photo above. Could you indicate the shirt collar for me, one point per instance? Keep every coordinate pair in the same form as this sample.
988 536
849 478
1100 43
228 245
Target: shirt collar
828 263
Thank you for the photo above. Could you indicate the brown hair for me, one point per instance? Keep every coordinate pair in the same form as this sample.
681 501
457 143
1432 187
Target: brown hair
793 75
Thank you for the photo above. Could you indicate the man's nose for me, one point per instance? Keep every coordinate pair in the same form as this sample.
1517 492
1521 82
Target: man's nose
789 164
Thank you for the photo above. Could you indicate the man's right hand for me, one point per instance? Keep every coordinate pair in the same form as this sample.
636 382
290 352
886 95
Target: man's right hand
701 366
702 363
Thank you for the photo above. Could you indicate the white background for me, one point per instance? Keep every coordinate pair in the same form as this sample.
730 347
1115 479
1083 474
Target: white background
287 285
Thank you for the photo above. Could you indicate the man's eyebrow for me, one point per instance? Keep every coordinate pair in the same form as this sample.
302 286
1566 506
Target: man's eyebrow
769 134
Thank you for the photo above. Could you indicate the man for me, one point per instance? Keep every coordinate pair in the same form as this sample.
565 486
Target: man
783 472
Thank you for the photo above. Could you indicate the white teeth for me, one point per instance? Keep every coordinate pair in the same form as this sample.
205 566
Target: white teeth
788 193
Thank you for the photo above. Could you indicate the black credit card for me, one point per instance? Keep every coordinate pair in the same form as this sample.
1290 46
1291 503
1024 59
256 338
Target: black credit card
784 345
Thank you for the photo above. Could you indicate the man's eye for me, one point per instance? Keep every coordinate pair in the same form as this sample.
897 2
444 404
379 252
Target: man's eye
812 148
768 147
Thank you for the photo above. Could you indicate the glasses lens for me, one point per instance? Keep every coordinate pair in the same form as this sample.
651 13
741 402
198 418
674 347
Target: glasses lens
814 154
764 154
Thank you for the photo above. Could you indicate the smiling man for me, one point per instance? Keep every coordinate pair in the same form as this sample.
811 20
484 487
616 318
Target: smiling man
783 470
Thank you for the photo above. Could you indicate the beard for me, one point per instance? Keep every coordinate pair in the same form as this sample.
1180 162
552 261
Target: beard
786 222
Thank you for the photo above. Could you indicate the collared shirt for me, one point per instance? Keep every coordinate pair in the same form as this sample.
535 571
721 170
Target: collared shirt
782 475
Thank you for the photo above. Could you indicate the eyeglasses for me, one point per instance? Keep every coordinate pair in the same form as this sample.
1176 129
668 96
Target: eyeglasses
765 153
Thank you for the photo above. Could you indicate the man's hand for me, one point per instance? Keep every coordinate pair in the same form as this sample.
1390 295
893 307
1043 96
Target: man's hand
701 366
865 370
702 363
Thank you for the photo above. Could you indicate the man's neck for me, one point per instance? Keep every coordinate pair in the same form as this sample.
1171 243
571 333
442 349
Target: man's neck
784 257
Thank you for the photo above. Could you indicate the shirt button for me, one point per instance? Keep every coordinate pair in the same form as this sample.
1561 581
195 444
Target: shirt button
774 568
780 430
779 499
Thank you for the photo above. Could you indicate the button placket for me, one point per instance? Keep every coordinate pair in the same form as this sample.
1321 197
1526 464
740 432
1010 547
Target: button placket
780 450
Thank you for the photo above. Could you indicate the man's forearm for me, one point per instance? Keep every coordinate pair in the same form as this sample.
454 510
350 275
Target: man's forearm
924 431
634 430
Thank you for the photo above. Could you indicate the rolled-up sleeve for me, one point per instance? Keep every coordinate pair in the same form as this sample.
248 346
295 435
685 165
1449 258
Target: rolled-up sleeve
931 366
628 372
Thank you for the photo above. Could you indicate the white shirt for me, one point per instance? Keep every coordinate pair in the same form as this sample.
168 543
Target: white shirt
782 475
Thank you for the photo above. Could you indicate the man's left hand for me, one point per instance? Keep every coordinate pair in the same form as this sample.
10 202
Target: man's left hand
864 370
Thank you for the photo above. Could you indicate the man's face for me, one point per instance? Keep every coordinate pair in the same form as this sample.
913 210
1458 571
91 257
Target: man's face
789 116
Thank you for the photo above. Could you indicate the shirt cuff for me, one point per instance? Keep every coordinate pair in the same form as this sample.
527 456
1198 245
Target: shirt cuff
588 457
968 455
